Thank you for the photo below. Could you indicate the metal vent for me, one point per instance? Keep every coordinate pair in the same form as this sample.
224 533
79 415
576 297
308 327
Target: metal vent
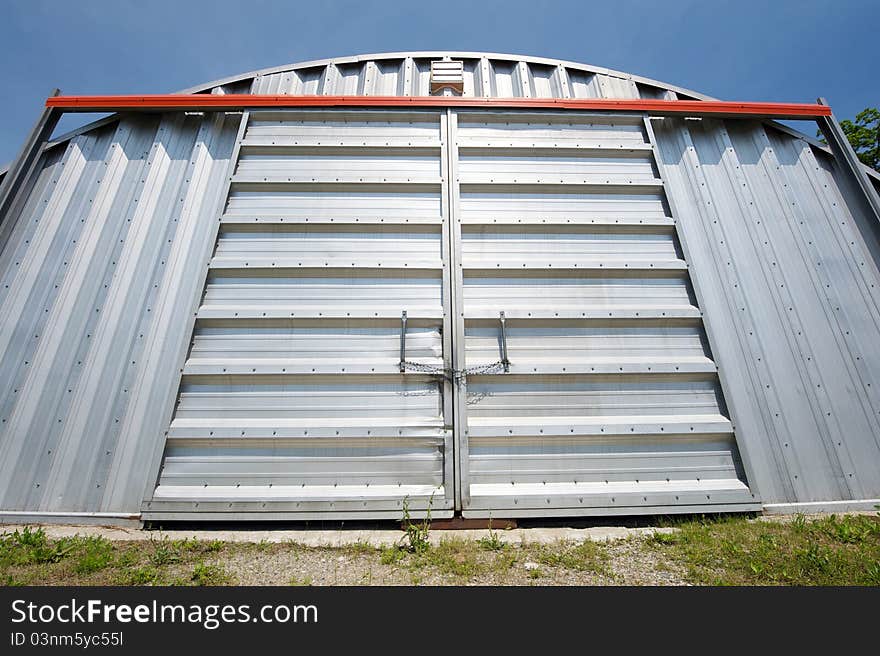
447 74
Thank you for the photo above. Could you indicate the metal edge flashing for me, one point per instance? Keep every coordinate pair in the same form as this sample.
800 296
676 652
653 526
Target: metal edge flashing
622 511
851 505
845 154
19 517
288 516
23 167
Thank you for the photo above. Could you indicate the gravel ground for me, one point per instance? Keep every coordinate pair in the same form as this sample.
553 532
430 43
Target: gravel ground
630 561
596 555
778 550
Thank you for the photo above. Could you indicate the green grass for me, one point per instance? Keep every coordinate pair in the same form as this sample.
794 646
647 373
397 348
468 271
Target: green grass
29 557
727 550
739 551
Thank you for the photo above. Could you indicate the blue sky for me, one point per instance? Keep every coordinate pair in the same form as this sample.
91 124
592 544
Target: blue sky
737 50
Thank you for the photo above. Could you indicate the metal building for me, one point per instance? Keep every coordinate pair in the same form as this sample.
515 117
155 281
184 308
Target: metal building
496 285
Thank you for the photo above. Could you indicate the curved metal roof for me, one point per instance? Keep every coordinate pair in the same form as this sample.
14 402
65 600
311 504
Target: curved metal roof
408 74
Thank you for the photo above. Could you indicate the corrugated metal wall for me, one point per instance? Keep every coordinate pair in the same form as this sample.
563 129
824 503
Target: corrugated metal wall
292 399
789 289
98 279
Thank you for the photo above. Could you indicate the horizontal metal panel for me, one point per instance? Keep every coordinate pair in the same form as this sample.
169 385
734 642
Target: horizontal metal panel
343 128
336 249
550 463
235 432
577 166
340 164
242 348
328 403
188 512
659 494
335 294
364 202
490 247
300 467
576 295
569 130
555 398
657 426
485 205
572 347
319 502
232 222
597 509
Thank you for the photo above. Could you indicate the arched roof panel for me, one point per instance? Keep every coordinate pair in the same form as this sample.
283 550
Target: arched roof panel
408 74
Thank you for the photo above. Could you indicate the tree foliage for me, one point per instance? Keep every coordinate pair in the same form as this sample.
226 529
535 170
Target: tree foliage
864 136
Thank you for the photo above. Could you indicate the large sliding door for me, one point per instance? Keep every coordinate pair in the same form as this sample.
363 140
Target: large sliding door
293 400
474 310
567 263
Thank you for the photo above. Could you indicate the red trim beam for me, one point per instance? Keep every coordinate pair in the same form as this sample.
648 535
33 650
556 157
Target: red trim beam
235 102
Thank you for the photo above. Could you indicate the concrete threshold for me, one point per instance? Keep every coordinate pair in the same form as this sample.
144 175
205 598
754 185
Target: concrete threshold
347 537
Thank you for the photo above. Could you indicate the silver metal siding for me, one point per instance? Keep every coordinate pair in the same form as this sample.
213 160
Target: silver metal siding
81 279
789 290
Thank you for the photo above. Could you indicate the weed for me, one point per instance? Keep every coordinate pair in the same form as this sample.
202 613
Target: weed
93 554
360 548
391 555
813 557
31 546
416 533
147 575
851 529
491 542
504 561
663 538
128 558
299 581
454 557
209 575
165 552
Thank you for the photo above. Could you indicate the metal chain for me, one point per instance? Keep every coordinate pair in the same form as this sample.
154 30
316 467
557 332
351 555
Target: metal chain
427 368
456 375
493 368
